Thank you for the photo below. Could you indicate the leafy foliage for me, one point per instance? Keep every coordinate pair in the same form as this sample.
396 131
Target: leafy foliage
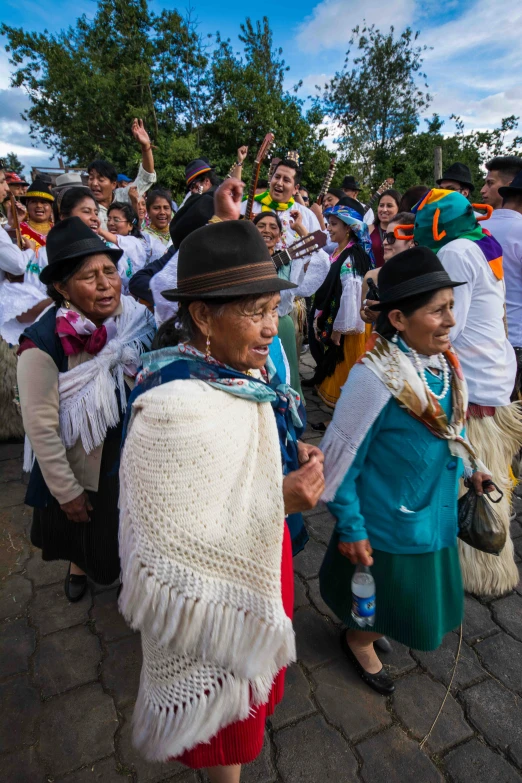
13 163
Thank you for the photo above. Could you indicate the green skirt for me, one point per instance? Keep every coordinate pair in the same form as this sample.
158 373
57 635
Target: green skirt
419 598
286 334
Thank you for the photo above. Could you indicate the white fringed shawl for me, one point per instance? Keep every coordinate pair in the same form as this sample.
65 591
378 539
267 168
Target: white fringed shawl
201 530
88 401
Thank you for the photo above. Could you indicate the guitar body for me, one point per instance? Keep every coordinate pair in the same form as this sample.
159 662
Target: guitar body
303 247
261 155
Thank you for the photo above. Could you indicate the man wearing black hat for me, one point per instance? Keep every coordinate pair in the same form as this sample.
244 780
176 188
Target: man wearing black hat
351 188
506 226
457 177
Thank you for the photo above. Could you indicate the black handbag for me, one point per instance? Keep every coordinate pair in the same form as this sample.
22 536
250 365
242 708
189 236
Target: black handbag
479 524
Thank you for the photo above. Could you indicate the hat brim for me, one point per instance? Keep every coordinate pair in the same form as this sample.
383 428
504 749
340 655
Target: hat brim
509 190
469 185
37 194
396 302
49 272
273 285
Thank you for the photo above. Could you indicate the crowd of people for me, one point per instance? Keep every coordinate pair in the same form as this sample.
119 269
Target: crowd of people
150 359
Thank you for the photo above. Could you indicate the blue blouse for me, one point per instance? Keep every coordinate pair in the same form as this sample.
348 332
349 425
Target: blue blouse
401 489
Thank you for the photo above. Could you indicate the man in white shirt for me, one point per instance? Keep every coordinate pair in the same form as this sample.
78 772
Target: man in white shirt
446 223
103 177
506 226
501 172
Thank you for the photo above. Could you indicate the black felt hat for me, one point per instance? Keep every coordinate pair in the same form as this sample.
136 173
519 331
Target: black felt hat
348 201
458 172
513 189
68 241
195 213
350 183
38 189
410 273
224 260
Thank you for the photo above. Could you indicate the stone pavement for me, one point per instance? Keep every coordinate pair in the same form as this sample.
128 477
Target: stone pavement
69 677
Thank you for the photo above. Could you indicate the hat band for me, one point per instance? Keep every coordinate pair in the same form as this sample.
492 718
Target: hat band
214 281
417 285
38 194
81 246
197 173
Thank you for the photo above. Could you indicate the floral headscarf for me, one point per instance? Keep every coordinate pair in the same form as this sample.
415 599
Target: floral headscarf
356 223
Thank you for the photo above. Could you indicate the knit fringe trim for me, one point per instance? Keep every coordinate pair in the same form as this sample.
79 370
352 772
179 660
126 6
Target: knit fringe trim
164 732
496 439
231 638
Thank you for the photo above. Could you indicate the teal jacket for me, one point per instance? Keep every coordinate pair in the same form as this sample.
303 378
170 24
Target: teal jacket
401 489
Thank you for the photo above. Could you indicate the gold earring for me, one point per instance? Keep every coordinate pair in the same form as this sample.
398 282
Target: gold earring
66 304
207 352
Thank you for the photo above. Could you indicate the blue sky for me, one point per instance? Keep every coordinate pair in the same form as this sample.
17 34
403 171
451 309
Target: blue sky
474 69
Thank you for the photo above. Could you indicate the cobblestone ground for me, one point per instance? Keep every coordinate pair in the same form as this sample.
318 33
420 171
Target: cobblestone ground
69 677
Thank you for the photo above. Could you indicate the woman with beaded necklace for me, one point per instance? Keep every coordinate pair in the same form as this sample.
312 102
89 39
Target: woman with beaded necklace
394 453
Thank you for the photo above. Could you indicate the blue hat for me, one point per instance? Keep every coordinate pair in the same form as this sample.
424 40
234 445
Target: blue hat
123 178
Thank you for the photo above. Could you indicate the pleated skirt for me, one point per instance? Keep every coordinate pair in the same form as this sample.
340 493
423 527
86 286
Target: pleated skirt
419 598
330 389
93 545
241 742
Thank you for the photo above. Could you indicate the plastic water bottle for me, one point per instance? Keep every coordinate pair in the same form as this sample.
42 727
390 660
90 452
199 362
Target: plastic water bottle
363 596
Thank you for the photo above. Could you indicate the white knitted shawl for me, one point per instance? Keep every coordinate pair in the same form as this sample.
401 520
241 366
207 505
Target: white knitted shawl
88 401
201 530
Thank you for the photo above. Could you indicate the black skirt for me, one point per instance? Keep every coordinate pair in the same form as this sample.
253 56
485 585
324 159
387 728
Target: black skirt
93 546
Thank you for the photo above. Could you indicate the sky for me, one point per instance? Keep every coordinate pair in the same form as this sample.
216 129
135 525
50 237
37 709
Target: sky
474 67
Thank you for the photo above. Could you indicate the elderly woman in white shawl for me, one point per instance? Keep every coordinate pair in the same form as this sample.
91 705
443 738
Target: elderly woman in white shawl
76 368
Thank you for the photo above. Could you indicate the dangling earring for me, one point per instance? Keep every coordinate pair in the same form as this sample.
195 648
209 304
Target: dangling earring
395 338
66 304
207 352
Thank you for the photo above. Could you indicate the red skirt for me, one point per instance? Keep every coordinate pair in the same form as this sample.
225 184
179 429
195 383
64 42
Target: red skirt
241 742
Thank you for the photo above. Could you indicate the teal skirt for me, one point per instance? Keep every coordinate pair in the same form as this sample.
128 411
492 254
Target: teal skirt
419 598
286 333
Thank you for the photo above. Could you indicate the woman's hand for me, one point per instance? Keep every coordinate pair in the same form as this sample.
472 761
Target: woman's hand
29 244
296 223
477 479
227 199
77 510
305 451
139 133
134 197
302 488
367 315
21 212
357 552
336 337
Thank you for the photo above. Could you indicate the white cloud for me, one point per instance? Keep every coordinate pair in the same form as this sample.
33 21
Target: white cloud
331 21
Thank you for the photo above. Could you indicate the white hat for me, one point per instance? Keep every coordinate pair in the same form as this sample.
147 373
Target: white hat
72 178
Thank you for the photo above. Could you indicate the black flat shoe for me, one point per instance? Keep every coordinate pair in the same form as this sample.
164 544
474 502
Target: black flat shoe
383 645
320 427
75 586
380 682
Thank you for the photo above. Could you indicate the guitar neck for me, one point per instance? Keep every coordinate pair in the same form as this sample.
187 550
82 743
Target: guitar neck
252 191
380 190
326 183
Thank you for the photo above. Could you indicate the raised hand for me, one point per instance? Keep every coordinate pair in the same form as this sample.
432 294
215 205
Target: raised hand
139 133
242 153
227 199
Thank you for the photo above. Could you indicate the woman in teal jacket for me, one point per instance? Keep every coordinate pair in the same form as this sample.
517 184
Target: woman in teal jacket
394 454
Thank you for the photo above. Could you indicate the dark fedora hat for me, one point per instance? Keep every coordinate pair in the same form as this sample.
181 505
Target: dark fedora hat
458 172
348 201
350 183
39 188
68 241
410 273
513 189
195 213
224 260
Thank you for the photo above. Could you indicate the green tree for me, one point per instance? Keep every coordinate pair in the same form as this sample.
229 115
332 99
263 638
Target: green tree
377 99
13 163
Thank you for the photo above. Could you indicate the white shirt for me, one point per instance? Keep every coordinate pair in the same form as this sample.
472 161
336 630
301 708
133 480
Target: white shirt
506 227
143 182
12 259
479 337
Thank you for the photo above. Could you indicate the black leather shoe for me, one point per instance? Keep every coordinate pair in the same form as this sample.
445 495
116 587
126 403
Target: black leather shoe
75 586
320 427
380 682
383 644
